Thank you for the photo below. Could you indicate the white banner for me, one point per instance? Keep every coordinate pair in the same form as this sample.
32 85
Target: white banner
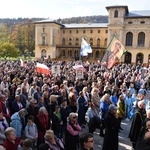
56 69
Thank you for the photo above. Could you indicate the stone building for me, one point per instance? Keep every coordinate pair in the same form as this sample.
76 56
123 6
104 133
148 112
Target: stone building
63 41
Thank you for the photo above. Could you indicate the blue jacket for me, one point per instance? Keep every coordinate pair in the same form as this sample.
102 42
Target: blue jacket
104 107
16 124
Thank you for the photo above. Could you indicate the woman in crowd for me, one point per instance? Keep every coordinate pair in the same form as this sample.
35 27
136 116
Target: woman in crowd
121 111
42 124
12 141
81 108
53 142
72 133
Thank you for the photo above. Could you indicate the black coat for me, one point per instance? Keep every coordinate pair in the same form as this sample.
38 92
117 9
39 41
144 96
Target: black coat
143 145
136 125
111 132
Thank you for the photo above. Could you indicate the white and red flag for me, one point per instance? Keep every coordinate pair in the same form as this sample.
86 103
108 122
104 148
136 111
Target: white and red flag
23 64
79 67
41 68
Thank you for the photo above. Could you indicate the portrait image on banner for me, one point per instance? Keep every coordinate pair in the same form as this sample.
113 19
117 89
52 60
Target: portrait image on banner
113 54
56 69
79 74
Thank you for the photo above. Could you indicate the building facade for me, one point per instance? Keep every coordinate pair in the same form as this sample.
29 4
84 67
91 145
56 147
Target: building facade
63 41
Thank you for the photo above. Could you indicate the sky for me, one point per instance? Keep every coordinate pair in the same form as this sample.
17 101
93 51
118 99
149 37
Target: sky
54 9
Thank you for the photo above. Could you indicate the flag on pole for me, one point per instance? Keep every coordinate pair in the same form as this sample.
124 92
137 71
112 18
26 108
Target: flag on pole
85 48
22 63
113 53
41 68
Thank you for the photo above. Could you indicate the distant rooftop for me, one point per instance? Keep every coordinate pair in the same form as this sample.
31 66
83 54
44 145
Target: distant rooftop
48 21
87 25
138 13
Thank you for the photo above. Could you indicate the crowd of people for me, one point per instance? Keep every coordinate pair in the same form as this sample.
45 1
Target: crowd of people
39 111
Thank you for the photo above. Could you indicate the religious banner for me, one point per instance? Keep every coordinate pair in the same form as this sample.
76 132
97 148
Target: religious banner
113 53
79 74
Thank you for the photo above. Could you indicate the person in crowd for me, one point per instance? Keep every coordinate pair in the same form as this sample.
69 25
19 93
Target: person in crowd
72 133
72 99
65 111
37 94
5 108
32 109
112 129
53 104
56 121
93 119
137 121
25 145
31 131
144 144
121 111
52 141
95 98
86 141
41 103
104 107
11 142
24 96
42 124
114 98
81 108
17 104
18 122
3 126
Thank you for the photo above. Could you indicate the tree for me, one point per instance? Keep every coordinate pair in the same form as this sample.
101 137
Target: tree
8 50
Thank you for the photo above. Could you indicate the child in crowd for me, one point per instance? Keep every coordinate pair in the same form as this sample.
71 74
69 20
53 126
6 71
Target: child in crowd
31 130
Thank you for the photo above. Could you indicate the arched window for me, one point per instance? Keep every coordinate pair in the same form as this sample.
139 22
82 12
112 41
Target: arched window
63 53
105 42
98 42
128 58
63 41
129 39
69 53
91 41
43 53
139 58
76 54
70 41
116 14
77 41
43 40
97 54
141 39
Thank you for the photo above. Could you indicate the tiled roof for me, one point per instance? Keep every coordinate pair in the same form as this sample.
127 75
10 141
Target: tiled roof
89 25
138 13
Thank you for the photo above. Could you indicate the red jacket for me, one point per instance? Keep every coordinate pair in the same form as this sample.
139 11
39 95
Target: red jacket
11 146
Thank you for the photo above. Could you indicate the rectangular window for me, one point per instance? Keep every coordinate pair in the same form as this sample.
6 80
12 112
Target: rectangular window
84 31
63 31
70 31
99 31
106 31
91 31
77 31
